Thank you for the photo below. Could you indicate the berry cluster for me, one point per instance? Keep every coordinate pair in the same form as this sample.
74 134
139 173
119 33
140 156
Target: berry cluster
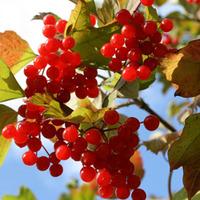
104 152
54 71
136 50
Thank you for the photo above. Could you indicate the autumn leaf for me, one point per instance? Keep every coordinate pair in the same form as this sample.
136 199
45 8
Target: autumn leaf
136 159
183 69
15 51
186 150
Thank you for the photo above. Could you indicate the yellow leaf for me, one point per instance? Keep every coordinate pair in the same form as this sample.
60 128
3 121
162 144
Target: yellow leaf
183 69
15 51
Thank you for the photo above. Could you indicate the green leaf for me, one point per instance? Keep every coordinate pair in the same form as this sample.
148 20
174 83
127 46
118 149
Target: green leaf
9 87
80 16
129 90
186 150
86 115
107 12
15 52
151 13
182 195
93 39
24 194
53 107
7 116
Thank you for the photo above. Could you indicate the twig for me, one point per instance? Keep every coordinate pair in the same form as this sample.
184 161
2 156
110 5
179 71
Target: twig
170 185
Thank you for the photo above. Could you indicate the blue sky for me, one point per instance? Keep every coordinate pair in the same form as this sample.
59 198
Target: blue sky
16 15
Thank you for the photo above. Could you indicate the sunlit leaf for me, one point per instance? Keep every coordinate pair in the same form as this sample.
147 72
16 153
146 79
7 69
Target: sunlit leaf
14 51
183 69
9 87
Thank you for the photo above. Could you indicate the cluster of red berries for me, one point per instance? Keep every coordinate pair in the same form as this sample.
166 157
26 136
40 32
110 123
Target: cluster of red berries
136 50
105 155
54 71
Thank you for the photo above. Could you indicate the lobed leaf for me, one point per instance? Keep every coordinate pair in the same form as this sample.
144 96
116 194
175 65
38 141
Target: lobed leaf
14 51
183 69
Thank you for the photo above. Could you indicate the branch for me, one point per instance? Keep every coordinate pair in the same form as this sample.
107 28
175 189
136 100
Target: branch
170 185
143 105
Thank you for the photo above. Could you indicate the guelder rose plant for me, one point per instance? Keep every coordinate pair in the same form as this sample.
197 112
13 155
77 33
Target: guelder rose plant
129 47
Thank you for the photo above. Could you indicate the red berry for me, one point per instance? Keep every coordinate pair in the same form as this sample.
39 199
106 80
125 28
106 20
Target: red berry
34 144
123 17
43 163
166 25
117 40
143 72
106 191
49 31
93 136
128 31
60 25
122 192
93 19
107 50
56 170
122 53
103 177
90 72
135 55
87 174
133 181
80 144
129 73
147 2
150 28
138 194
115 64
40 62
133 124
70 134
49 19
29 158
9 131
68 42
111 117
63 152
52 72
151 122
88 158
93 92
30 71
160 50
52 45
48 131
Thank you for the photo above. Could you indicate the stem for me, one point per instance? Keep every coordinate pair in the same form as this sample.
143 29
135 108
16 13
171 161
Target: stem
143 105
45 150
170 185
